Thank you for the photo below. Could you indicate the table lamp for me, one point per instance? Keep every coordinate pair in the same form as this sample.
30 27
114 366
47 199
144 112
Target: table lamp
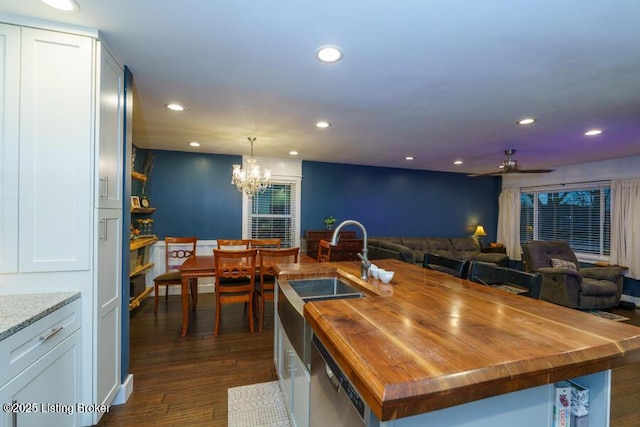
479 233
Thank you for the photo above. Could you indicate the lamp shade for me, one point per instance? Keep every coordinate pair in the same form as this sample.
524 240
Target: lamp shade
480 231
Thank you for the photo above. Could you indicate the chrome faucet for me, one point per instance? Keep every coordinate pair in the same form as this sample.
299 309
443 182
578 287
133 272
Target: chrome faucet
365 263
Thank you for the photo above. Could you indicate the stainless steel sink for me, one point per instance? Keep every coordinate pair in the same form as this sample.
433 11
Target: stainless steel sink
323 288
308 290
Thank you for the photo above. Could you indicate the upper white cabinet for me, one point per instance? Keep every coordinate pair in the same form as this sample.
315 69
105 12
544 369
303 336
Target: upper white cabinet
56 135
110 136
9 131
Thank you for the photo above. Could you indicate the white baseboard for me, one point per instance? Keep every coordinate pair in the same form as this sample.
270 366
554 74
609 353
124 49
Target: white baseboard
207 288
125 391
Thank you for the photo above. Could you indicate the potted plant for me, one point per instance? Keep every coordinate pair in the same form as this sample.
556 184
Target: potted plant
329 221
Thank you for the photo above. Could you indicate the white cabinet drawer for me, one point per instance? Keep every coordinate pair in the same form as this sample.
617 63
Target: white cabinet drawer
26 346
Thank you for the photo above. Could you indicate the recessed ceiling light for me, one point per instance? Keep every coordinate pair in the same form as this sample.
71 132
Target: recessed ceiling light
194 144
65 5
409 158
175 107
593 132
293 153
527 121
329 54
458 162
323 125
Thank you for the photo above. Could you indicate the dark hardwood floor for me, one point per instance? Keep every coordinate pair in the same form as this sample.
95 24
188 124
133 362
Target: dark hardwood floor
183 381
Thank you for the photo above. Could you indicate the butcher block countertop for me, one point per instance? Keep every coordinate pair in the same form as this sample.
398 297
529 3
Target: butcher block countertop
428 340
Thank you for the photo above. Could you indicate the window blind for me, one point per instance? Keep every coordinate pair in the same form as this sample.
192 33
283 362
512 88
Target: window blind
272 214
579 215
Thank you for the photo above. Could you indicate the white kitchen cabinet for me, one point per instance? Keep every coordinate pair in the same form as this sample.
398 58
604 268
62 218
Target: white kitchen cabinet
294 380
284 369
9 131
301 380
61 160
111 134
45 357
108 254
56 134
108 306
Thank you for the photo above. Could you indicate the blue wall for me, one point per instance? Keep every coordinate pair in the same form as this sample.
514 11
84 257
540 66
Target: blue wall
401 202
194 196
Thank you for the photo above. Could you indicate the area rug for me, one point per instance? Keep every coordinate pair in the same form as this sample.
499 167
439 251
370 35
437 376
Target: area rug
257 405
605 315
510 289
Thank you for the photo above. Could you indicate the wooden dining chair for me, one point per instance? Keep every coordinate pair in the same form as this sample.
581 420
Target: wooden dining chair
265 287
235 280
455 267
264 243
324 251
177 250
492 275
233 244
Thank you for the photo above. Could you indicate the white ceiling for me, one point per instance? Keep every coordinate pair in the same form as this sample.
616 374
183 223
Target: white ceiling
436 79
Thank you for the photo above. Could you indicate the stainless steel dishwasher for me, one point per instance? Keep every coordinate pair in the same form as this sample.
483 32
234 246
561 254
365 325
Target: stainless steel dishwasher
333 399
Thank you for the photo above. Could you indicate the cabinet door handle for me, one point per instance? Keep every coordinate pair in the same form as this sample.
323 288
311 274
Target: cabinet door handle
104 229
105 194
53 332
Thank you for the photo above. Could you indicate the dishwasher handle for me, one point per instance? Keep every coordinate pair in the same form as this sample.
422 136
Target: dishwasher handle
332 378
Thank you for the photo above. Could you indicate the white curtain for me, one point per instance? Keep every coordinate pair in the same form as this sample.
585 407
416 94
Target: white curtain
625 224
509 222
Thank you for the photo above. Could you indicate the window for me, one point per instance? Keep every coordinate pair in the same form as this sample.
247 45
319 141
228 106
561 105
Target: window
580 215
272 214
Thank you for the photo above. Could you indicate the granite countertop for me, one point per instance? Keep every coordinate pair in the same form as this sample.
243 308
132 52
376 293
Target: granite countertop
19 311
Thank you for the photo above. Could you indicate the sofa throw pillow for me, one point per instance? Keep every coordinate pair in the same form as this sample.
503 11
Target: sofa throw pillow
560 263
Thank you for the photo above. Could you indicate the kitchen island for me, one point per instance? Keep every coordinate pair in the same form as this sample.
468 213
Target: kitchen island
428 342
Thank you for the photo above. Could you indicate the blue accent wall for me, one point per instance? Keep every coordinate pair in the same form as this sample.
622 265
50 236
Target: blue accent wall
193 195
399 202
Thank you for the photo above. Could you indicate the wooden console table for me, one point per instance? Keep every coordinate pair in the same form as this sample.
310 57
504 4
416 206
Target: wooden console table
346 250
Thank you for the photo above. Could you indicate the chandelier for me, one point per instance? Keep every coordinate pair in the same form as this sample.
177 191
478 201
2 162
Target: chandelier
249 180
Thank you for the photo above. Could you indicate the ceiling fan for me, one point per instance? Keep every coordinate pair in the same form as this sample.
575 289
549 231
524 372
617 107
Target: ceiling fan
510 165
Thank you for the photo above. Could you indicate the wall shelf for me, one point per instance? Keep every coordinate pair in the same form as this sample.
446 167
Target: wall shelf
142 242
138 176
135 302
143 210
140 268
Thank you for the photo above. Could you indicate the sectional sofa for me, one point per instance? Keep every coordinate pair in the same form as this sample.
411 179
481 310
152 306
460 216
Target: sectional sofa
412 249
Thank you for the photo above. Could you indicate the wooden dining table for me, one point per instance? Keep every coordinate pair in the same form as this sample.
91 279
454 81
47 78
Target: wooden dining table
198 266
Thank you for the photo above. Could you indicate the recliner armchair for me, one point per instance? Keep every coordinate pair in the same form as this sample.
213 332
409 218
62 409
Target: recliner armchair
565 283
